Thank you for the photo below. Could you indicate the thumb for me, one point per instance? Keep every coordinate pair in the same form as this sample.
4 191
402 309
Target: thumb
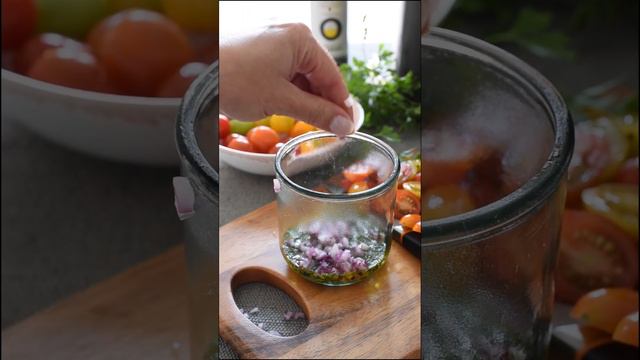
312 109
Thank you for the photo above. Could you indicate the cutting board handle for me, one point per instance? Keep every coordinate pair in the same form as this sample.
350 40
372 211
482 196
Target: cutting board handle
241 326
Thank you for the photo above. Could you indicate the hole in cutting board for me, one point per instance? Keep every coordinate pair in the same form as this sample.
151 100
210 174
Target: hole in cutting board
259 296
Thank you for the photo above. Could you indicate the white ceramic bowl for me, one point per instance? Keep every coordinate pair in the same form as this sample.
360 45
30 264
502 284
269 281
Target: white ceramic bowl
122 128
263 164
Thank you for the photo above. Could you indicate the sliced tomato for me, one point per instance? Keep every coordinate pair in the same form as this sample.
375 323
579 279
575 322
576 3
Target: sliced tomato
413 186
604 308
446 200
628 173
616 202
409 220
417 227
358 186
600 149
358 172
406 203
627 330
594 253
448 157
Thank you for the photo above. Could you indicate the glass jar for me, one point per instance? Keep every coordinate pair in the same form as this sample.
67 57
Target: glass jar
487 274
197 142
336 201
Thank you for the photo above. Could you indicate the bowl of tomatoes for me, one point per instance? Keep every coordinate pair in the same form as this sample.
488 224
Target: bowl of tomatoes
105 77
252 146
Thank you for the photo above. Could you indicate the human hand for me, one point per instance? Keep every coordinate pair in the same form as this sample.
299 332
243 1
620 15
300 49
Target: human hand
283 70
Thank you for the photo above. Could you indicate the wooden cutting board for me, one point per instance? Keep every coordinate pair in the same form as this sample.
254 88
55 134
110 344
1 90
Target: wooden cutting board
377 318
138 314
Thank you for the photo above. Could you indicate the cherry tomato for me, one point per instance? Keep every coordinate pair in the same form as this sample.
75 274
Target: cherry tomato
604 308
178 83
275 148
263 138
627 330
240 127
358 186
199 15
628 173
72 67
594 254
34 47
230 137
281 123
140 49
413 186
358 172
406 203
19 18
599 150
70 17
223 127
300 128
448 157
119 5
446 200
616 202
409 220
240 142
417 227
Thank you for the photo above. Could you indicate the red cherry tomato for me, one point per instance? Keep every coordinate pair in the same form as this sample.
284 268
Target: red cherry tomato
594 253
19 19
240 142
263 138
140 48
223 127
34 47
72 67
178 83
628 173
406 203
230 137
275 148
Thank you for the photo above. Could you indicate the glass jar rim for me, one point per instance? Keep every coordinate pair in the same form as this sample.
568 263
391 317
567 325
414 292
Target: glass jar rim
369 193
203 89
508 211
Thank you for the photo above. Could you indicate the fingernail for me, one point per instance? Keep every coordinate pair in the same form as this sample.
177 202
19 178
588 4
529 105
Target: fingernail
340 125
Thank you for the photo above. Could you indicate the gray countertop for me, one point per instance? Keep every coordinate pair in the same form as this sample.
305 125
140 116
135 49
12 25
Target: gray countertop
69 220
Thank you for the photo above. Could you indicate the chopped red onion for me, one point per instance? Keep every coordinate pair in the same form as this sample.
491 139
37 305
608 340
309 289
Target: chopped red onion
299 315
288 315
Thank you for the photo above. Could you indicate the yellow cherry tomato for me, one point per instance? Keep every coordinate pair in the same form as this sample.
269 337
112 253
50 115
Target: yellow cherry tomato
281 123
197 15
410 220
300 128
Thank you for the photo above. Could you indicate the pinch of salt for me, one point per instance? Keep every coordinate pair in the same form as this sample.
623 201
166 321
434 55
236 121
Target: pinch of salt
260 325
274 332
246 314
254 310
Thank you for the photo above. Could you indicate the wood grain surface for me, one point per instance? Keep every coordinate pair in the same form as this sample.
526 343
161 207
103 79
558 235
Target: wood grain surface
377 318
138 314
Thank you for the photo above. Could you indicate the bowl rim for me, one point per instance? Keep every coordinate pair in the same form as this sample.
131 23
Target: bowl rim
94 96
227 149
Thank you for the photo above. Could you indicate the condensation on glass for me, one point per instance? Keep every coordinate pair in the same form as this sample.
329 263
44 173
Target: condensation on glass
487 275
197 141
329 237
